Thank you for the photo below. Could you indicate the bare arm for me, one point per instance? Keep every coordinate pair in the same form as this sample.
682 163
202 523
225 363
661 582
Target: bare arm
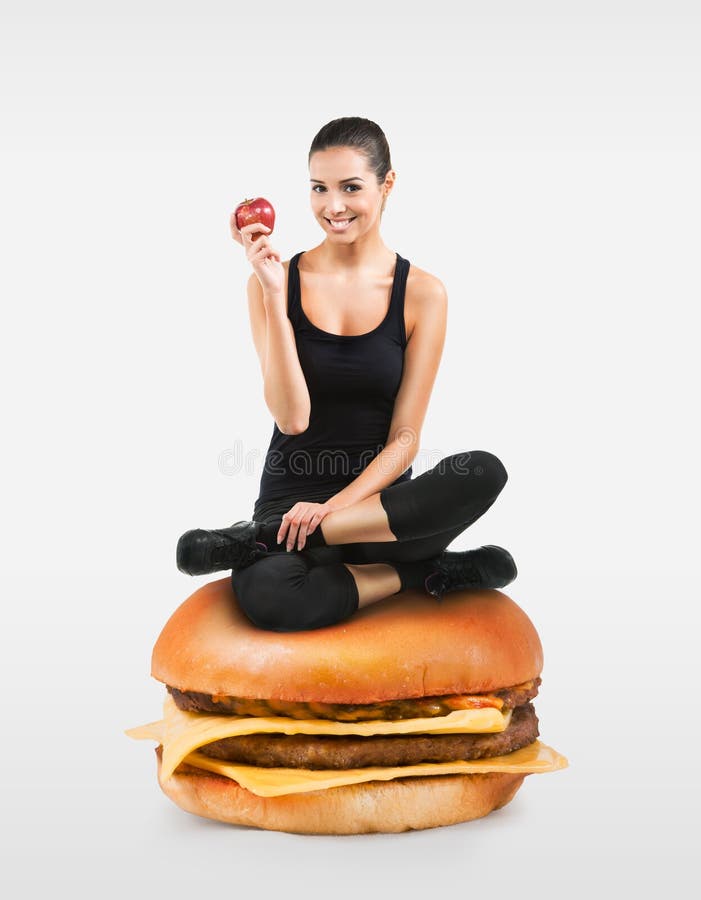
285 388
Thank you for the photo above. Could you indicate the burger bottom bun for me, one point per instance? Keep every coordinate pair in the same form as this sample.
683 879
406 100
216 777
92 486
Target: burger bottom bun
402 804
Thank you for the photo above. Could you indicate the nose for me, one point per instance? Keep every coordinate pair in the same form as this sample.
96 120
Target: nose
335 205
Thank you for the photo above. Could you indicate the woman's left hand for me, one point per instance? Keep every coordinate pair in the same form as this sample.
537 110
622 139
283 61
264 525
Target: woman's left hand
301 520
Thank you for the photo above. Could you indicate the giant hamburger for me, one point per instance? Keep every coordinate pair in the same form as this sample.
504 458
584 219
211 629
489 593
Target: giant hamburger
411 714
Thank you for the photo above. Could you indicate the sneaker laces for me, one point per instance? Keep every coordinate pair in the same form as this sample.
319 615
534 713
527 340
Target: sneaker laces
242 554
221 554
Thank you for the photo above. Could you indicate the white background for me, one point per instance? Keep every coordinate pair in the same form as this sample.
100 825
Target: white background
548 172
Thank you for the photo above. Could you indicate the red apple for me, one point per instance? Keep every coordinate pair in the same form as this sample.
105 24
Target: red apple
258 210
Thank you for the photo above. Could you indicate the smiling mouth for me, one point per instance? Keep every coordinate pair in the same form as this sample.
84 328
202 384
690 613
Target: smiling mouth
340 224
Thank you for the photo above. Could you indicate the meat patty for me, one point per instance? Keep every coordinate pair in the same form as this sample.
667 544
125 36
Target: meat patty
304 751
389 710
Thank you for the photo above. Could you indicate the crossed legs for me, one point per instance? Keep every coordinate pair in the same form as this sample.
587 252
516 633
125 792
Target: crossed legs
406 522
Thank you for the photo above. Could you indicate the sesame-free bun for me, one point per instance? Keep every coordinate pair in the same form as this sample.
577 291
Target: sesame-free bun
400 804
406 645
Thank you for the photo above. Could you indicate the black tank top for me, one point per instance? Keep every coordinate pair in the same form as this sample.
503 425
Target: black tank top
353 381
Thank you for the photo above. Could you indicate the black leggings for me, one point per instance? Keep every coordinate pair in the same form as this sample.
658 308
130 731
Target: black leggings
312 588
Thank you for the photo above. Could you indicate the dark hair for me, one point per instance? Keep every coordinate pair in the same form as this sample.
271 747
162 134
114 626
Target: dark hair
363 135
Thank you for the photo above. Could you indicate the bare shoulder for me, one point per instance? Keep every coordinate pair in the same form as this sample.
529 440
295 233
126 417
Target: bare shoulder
425 293
422 282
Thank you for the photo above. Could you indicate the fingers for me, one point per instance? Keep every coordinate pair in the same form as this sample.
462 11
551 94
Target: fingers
235 232
307 524
292 532
285 526
258 248
298 531
295 525
291 535
265 252
245 235
313 522
254 232
302 535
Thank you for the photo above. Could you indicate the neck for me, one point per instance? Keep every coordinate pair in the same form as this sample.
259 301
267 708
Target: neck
368 253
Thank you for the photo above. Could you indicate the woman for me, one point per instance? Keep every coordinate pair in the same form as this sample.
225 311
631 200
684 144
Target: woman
339 522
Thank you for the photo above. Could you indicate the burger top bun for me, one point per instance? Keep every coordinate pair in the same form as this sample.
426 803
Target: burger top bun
407 645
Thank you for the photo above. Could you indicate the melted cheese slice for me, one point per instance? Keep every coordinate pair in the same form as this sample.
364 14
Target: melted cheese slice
181 732
535 757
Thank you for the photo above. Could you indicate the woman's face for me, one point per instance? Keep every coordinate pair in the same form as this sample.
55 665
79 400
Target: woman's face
344 188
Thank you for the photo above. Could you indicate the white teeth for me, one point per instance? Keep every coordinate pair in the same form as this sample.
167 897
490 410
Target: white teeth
340 225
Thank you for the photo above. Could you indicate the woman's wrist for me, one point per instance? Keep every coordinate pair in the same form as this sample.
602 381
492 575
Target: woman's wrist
335 504
273 298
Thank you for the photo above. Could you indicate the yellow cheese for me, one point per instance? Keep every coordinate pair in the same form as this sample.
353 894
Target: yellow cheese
182 732
152 730
534 758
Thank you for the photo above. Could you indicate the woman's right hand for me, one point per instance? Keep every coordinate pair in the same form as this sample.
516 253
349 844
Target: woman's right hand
261 254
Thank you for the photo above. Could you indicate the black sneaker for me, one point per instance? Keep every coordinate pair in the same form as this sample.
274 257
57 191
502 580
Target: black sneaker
200 552
487 567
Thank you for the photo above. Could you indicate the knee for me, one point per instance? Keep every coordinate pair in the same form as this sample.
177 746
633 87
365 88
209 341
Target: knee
266 591
483 471
491 468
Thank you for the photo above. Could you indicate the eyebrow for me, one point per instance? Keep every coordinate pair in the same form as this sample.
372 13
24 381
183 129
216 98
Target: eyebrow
354 178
